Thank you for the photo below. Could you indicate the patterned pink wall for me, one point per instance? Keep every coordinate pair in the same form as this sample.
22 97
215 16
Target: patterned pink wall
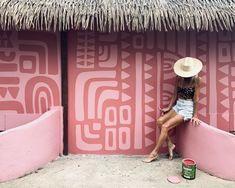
117 82
29 72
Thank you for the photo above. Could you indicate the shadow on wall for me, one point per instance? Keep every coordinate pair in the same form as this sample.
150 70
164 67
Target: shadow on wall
211 148
28 147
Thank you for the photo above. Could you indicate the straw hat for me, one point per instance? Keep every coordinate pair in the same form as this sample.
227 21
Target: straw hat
187 67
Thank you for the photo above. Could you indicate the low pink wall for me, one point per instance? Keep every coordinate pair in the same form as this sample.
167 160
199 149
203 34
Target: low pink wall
211 148
12 120
31 146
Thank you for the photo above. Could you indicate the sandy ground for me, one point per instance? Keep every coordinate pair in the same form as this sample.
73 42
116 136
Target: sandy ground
91 171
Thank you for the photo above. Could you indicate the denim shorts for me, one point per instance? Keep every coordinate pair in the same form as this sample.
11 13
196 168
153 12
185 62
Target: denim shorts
184 108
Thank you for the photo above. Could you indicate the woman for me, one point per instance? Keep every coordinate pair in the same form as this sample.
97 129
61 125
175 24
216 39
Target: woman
183 105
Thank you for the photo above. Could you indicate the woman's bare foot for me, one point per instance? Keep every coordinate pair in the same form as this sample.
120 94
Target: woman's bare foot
171 148
152 157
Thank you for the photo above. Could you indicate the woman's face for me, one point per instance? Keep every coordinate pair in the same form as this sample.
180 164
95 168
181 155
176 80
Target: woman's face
189 78
186 78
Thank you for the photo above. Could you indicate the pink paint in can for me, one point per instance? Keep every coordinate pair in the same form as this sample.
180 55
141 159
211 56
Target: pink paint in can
189 169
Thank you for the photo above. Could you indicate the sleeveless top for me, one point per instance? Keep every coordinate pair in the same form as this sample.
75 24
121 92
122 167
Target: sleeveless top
186 92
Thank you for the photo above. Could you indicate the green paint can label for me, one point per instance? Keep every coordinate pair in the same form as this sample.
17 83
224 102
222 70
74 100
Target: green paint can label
188 169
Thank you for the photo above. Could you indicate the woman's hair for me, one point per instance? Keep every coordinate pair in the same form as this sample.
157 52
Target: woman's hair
188 80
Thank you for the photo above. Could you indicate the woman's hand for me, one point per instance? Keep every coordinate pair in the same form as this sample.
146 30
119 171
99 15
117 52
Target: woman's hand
164 110
195 121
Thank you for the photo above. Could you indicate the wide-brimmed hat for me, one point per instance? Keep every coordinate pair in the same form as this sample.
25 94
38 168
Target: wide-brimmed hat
187 67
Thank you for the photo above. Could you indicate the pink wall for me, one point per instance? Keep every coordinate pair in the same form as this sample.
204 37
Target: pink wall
26 148
29 72
211 148
117 81
12 120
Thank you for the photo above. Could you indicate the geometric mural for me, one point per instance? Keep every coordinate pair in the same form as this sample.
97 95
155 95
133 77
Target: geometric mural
118 81
29 72
110 108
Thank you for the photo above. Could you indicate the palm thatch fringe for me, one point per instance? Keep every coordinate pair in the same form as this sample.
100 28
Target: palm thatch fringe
117 15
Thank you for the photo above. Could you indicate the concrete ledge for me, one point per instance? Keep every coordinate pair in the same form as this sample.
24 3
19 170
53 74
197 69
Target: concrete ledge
12 120
211 148
26 148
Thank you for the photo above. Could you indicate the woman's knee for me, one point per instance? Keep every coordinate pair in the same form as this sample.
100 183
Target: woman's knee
165 128
160 121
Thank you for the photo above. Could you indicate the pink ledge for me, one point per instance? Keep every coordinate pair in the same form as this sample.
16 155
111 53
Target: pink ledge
211 148
12 120
28 147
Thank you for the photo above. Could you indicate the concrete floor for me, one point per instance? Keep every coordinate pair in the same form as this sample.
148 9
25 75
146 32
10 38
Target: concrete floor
93 171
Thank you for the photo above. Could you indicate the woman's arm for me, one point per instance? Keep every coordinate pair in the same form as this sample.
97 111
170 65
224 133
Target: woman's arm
173 98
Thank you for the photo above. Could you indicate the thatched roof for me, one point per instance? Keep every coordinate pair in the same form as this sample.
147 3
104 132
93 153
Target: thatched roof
117 15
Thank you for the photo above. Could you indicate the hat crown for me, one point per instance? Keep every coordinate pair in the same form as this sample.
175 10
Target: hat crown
186 65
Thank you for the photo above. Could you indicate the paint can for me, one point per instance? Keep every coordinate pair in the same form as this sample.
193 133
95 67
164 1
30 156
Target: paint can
189 169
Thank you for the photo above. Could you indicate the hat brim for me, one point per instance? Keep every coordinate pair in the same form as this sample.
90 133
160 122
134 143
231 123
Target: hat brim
196 68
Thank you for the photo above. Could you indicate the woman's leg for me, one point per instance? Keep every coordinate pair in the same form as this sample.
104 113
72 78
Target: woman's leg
168 125
171 148
161 120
